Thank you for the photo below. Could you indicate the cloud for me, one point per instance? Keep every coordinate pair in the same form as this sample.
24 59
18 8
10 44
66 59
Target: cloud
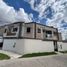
22 16
58 9
55 11
9 15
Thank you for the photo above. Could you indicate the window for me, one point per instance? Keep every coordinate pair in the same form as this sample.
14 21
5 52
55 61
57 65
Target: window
43 30
39 30
15 29
5 30
48 34
28 29
55 33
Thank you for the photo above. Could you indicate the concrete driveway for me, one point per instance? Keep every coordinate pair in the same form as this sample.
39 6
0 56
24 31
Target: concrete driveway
47 61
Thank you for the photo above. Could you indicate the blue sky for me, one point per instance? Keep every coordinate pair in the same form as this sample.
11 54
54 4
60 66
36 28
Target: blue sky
21 4
48 12
27 7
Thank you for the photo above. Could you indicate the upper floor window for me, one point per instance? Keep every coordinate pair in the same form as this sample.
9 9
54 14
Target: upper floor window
28 29
15 29
43 30
48 33
55 33
39 30
5 30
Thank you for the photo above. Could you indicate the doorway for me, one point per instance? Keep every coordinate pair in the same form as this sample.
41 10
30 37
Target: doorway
55 46
1 45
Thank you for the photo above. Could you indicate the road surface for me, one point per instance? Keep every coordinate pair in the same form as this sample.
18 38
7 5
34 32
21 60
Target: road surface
45 61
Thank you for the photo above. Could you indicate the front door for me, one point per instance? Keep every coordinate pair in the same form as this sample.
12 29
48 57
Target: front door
55 46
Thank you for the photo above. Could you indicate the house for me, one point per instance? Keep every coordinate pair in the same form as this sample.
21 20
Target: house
30 37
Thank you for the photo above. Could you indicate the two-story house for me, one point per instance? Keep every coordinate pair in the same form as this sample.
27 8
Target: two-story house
30 37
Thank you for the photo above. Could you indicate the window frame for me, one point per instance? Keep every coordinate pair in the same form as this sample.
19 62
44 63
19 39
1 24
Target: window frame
13 30
38 30
28 30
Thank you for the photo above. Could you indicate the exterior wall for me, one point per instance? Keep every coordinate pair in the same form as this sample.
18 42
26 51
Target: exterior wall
42 35
33 46
24 30
54 36
23 46
14 45
62 46
39 35
60 36
9 30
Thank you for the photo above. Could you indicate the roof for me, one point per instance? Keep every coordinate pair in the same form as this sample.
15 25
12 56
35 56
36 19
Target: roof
29 23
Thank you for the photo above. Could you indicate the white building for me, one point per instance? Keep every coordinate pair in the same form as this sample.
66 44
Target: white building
31 37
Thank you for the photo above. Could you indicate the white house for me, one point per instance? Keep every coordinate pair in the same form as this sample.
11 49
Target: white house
23 38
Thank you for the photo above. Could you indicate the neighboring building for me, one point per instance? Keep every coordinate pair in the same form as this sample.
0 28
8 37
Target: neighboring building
30 37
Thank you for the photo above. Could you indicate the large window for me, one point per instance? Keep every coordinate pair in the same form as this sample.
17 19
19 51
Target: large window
15 29
48 34
28 29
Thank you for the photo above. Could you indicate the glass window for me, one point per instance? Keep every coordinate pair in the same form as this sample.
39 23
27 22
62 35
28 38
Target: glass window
39 30
43 30
15 29
5 30
28 29
48 33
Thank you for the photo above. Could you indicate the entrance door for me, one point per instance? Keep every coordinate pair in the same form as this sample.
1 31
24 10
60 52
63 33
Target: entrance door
55 46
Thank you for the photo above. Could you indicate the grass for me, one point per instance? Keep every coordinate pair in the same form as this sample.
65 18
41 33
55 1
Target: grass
4 56
38 54
63 51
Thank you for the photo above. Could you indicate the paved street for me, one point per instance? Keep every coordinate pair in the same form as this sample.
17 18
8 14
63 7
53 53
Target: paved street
47 61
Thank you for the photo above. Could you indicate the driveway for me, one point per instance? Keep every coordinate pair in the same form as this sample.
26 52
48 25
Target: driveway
45 61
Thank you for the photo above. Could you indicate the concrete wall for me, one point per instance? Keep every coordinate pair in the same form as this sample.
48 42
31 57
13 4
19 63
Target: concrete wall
24 30
62 46
11 26
23 46
14 45
32 46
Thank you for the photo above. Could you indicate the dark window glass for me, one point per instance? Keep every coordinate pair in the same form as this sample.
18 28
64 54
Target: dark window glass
48 32
5 30
28 29
55 33
43 30
15 29
39 30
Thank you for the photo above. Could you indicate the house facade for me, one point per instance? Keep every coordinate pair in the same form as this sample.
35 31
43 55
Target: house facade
30 37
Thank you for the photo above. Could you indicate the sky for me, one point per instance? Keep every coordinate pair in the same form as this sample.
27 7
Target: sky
47 12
